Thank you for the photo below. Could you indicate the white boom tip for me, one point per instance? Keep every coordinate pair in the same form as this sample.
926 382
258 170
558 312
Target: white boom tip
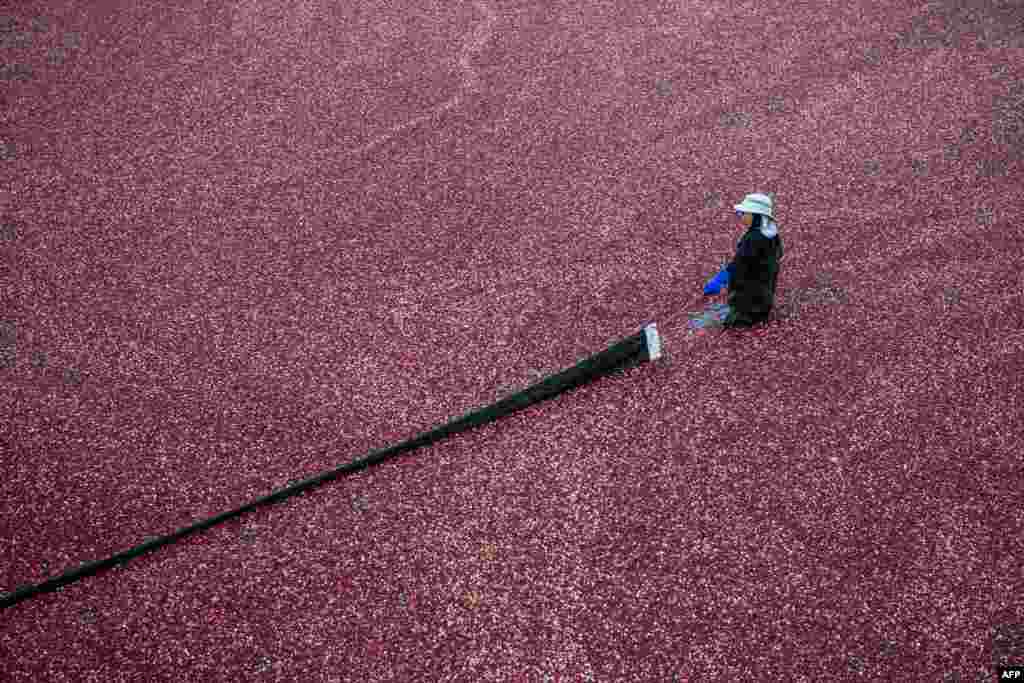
652 341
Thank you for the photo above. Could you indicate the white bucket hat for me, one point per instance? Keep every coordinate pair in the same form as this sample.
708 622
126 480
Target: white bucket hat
757 203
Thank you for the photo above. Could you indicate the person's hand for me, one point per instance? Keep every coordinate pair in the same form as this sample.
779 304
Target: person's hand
715 284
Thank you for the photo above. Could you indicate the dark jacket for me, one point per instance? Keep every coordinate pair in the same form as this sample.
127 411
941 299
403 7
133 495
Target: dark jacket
753 274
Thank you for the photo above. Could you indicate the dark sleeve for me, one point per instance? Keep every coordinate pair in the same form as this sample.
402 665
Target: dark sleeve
731 266
745 264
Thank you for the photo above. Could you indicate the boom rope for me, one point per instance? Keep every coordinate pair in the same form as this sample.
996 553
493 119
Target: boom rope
643 346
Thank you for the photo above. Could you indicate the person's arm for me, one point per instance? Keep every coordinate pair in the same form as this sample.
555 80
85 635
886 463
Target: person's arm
721 279
743 264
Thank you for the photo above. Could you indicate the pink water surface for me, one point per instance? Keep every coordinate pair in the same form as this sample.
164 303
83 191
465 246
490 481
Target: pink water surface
244 242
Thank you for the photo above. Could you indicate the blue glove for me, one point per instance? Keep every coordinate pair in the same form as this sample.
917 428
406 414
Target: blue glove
715 284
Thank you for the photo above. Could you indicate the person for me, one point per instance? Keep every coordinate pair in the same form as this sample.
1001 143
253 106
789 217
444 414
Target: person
754 271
